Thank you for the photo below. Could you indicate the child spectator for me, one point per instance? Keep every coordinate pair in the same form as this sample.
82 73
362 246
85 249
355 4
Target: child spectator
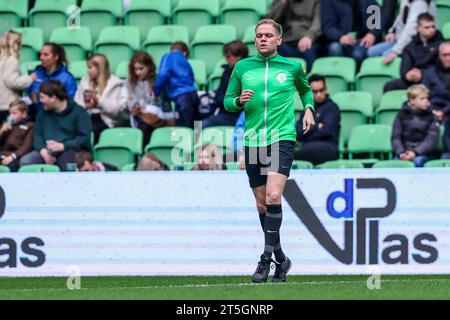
177 78
321 143
62 129
16 135
209 158
403 29
234 52
416 132
419 55
11 83
99 94
85 163
53 67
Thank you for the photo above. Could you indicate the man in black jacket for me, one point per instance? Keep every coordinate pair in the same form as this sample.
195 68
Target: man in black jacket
233 52
437 79
420 54
320 144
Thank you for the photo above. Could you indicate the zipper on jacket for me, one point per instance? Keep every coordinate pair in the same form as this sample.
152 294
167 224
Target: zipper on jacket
266 97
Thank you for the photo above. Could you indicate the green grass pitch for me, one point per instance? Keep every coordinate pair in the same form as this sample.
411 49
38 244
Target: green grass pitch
228 288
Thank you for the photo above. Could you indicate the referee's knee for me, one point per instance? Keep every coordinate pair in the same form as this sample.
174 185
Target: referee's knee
273 197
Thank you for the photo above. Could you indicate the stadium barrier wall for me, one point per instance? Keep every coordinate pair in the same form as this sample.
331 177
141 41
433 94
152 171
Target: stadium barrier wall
385 221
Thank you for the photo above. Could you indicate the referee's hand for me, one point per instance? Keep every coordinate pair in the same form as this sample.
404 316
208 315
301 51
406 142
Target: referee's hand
308 121
246 96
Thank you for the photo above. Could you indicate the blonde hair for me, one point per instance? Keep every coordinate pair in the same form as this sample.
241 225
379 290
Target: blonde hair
273 23
101 63
209 157
417 89
9 44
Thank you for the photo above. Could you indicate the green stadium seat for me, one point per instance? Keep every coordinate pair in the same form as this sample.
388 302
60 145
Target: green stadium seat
195 13
356 109
78 69
118 44
119 146
440 147
39 168
32 42
249 40
233 166
12 14
199 68
122 70
96 15
242 14
372 139
168 140
390 105
446 31
374 74
394 164
76 42
49 14
341 164
128 167
208 44
221 136
4 169
160 38
145 14
28 68
338 71
300 164
440 163
443 13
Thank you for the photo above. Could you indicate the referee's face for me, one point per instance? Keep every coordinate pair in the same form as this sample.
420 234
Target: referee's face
267 40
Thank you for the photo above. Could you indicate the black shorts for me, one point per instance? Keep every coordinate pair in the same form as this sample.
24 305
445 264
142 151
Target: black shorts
259 161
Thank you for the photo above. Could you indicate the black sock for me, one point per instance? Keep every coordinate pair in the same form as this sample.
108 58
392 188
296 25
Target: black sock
262 218
272 225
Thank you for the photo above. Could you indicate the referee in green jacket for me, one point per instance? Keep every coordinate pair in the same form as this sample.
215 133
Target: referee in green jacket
264 87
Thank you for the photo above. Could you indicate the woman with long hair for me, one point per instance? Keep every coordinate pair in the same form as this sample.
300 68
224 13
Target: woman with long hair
137 91
11 82
53 67
99 92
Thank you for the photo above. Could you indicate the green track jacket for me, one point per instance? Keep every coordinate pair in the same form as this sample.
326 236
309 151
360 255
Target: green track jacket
269 116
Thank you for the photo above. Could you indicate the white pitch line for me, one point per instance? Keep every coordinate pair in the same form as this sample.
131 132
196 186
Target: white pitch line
295 283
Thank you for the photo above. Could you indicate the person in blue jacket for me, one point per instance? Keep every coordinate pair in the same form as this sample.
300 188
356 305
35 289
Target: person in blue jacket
176 77
53 67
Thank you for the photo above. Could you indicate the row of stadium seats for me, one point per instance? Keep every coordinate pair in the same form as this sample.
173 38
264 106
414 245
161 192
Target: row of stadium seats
338 164
95 15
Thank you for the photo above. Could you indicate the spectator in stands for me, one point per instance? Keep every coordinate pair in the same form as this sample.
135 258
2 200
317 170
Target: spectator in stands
403 29
416 132
300 20
388 14
11 83
420 54
16 135
342 18
234 52
99 93
177 78
53 67
62 128
85 163
209 157
321 143
150 162
437 79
